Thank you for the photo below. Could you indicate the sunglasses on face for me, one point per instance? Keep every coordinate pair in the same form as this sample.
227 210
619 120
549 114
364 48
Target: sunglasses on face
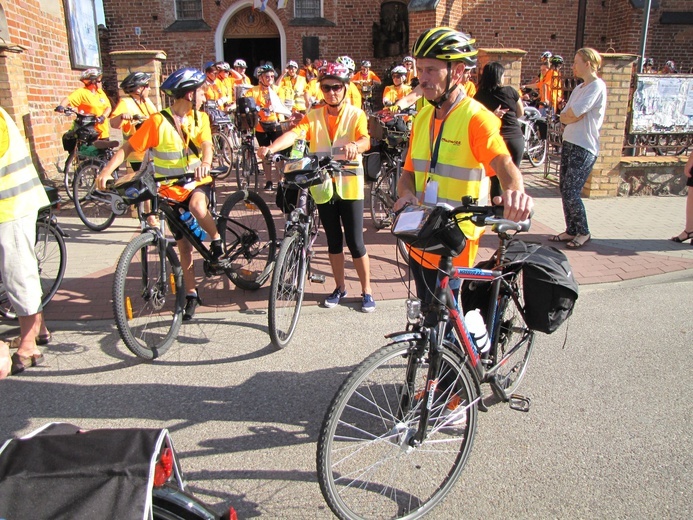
333 88
398 75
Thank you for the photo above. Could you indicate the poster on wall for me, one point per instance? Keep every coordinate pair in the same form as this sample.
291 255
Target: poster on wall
80 18
662 104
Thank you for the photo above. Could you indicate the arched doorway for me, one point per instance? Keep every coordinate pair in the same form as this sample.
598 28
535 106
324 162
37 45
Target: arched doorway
253 36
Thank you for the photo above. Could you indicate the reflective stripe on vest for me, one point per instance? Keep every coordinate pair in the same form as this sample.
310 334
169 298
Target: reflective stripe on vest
169 154
21 191
349 183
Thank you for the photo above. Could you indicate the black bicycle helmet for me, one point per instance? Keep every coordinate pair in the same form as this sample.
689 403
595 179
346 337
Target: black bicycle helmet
446 44
135 80
264 69
366 63
182 81
556 60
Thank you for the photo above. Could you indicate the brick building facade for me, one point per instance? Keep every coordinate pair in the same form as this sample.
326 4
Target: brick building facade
39 74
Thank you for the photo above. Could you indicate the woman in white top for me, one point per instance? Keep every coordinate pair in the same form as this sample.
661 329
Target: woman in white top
583 116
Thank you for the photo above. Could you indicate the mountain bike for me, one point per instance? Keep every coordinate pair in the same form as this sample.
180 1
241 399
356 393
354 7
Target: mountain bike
384 190
51 255
400 429
292 267
83 144
148 291
535 137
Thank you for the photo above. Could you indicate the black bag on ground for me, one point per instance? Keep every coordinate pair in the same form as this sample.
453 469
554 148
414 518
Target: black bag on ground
550 289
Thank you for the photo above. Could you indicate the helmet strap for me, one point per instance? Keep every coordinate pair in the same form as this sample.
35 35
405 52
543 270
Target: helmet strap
448 89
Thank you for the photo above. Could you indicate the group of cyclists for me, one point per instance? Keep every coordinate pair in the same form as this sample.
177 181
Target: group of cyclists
549 82
322 103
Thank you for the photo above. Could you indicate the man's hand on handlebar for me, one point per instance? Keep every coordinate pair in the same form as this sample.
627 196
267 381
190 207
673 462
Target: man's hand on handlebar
517 205
405 200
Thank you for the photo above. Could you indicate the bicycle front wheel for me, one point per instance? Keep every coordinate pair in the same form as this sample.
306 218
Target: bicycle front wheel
367 466
249 238
69 173
51 256
93 207
535 146
286 293
247 169
223 153
148 296
513 338
382 200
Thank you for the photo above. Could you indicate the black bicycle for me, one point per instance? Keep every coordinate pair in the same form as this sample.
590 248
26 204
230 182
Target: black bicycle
401 427
148 291
292 267
51 255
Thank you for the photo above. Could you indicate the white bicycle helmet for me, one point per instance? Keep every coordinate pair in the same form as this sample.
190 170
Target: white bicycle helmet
399 69
240 63
347 62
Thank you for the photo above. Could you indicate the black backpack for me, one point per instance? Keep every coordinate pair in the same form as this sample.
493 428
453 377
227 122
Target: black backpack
550 289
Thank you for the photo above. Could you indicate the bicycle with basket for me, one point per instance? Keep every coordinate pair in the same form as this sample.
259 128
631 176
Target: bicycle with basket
148 291
400 429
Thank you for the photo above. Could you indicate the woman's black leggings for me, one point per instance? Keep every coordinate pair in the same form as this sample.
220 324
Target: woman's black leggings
347 213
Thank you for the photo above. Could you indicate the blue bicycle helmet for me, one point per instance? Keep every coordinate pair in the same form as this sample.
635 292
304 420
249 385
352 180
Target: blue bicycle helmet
182 81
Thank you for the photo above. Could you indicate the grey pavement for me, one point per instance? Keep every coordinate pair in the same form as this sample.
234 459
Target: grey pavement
608 435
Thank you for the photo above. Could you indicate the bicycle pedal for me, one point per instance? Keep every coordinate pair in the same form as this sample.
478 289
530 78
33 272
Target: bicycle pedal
519 402
317 278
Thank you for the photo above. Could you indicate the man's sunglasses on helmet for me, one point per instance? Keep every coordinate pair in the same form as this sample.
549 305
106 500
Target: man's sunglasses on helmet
333 88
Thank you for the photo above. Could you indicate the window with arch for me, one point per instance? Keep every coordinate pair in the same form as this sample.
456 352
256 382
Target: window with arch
188 9
308 8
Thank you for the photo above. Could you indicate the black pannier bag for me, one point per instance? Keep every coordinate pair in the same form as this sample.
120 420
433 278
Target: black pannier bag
69 141
550 289
372 162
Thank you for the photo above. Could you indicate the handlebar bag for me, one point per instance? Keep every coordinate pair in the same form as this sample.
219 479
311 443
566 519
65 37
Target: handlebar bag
430 229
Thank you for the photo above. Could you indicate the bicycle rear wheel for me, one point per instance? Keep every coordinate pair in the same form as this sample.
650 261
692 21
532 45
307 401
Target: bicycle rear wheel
286 293
51 256
148 298
249 237
366 465
382 199
93 207
69 172
247 169
223 153
512 337
535 146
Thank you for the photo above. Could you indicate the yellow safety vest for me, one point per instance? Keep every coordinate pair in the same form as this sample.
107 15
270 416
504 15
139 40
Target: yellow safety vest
170 157
457 171
293 94
348 183
21 191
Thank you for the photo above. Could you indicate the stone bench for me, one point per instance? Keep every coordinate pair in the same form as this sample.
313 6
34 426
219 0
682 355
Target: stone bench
652 175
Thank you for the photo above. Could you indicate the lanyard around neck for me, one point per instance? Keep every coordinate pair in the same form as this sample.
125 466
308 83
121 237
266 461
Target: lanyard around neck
436 147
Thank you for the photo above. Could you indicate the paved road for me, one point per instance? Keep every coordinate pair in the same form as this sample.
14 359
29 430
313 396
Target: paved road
608 435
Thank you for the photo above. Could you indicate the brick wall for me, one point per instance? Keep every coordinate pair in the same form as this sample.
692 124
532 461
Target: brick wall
39 77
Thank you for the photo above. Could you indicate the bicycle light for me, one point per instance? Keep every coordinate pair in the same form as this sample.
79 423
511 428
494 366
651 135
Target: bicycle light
413 310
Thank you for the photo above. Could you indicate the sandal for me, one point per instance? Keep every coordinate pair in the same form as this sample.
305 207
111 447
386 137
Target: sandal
579 241
689 236
21 363
562 237
41 340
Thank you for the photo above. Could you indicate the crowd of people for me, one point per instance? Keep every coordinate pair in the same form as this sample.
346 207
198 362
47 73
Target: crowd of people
465 140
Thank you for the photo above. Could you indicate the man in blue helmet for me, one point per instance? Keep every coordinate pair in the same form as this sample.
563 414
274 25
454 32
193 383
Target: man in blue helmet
180 138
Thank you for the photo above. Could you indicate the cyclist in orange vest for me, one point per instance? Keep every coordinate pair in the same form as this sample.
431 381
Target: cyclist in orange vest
90 100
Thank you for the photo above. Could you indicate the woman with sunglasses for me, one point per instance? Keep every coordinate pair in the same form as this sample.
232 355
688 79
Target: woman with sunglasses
340 130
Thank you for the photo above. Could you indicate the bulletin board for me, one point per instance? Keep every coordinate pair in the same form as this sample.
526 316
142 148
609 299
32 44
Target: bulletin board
662 103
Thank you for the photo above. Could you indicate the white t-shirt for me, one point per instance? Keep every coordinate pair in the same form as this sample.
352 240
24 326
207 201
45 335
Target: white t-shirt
590 100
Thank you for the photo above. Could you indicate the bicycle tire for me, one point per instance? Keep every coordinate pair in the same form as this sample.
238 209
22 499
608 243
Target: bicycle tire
93 208
249 239
245 177
381 200
403 251
69 173
148 310
535 146
287 290
511 331
223 153
364 470
51 256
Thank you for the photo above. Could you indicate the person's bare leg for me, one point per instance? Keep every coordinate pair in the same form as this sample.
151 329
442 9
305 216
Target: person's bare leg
198 207
29 327
337 264
186 263
363 269
684 235
5 361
